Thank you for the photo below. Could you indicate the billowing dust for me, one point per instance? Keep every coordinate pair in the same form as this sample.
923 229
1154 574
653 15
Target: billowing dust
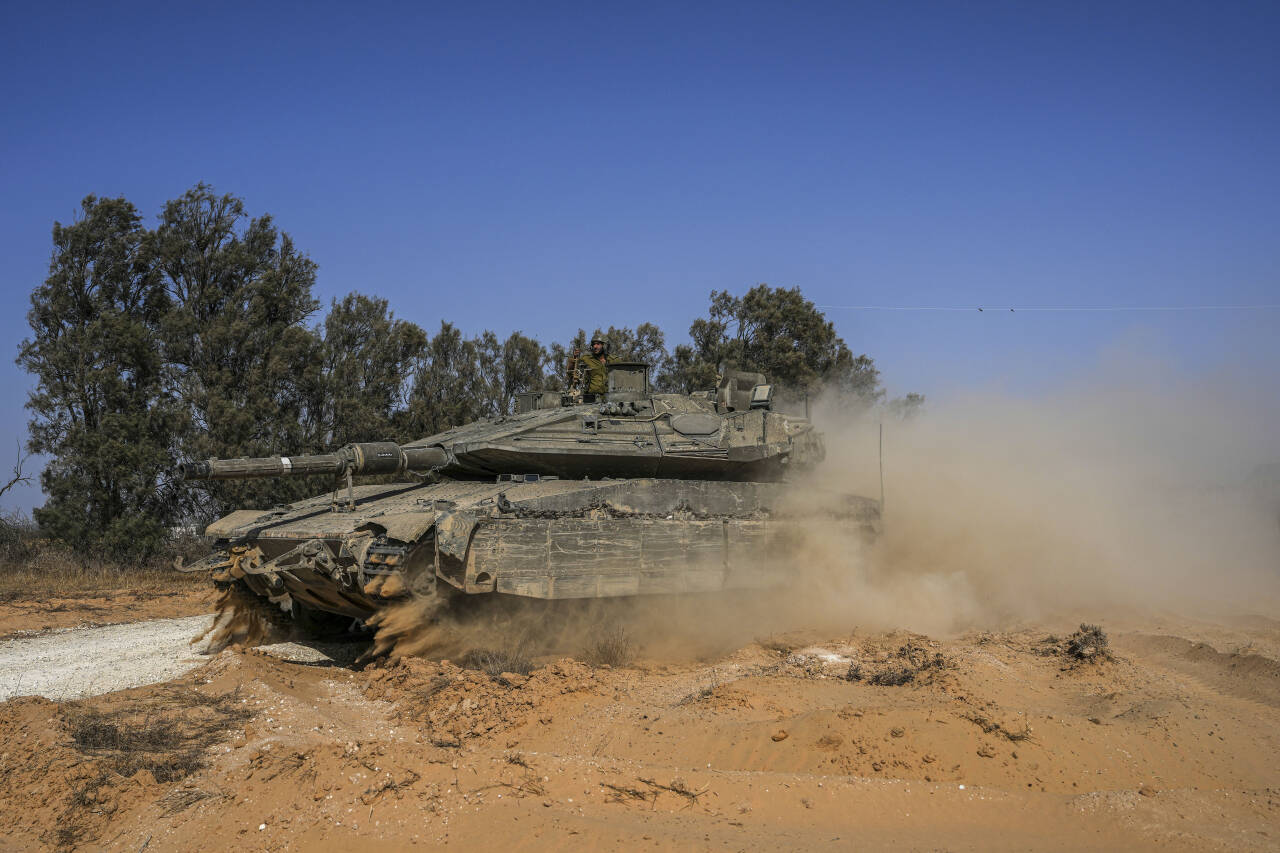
1136 493
1126 496
695 627
242 618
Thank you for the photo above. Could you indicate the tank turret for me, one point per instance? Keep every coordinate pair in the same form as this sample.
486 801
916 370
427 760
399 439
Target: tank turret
627 432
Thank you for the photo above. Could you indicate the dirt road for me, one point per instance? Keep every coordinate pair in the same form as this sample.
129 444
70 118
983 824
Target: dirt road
80 662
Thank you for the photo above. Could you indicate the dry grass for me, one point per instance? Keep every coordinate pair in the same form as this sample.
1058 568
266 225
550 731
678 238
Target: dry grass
621 793
181 799
494 662
990 726
167 736
36 567
438 683
677 786
704 693
609 647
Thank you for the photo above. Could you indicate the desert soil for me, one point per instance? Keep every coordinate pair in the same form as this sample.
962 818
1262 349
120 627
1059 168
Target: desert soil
997 741
27 616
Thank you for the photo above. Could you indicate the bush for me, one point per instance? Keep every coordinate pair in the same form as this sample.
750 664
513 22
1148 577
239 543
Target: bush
494 662
1088 644
609 647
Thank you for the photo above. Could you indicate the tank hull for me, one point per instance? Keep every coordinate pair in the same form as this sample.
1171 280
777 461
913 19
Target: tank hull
542 539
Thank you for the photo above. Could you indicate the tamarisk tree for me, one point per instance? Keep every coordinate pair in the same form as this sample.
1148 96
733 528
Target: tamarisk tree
242 356
102 407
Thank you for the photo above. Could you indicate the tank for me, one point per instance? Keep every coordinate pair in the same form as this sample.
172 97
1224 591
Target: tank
626 493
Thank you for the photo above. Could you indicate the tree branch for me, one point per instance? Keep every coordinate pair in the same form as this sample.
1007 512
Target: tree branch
18 476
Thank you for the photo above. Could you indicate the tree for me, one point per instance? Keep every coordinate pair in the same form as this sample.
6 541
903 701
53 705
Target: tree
447 388
777 332
366 358
906 408
506 369
243 359
101 408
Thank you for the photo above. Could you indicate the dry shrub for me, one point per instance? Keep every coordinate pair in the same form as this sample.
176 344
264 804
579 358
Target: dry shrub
1088 644
609 647
704 693
168 738
494 662
904 666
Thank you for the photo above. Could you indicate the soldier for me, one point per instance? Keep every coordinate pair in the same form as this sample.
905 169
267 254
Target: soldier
595 367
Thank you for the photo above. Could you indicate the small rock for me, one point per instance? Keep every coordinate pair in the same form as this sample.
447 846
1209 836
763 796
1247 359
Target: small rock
1147 791
780 734
897 731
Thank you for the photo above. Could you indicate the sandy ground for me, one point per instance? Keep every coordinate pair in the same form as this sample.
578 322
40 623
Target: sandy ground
997 741
31 615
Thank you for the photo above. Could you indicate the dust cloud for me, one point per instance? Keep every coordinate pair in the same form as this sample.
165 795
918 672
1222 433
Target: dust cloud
1131 493
1129 496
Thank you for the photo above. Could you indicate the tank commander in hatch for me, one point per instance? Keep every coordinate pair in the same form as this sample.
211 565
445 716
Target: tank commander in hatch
594 368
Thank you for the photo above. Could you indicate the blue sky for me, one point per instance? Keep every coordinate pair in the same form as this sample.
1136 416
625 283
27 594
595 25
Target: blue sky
547 166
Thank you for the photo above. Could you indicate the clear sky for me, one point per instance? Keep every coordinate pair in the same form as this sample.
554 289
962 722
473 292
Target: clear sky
545 166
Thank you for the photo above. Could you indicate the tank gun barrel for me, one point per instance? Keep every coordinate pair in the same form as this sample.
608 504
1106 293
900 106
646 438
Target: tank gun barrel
377 457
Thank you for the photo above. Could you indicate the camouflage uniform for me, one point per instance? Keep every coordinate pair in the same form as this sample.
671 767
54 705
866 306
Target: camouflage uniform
597 372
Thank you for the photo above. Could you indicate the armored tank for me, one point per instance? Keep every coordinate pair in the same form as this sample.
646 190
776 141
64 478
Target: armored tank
575 495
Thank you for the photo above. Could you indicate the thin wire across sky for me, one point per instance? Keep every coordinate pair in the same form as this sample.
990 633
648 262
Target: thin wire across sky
1053 308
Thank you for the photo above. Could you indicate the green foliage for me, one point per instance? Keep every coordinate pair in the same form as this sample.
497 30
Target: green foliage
446 385
242 358
507 368
102 407
779 333
366 355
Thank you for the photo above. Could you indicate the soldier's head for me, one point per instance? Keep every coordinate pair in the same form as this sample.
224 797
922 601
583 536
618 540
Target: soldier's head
598 347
